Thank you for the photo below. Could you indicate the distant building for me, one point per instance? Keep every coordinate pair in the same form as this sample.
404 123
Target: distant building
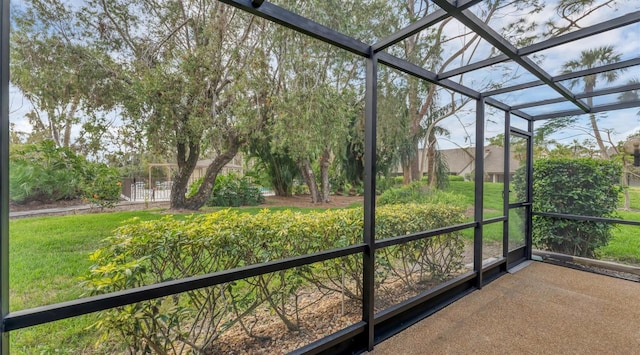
461 161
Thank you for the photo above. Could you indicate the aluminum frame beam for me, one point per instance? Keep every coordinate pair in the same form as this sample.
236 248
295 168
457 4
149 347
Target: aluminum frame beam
597 70
417 26
596 109
40 315
369 228
422 73
301 24
4 172
609 25
527 85
573 75
410 30
613 90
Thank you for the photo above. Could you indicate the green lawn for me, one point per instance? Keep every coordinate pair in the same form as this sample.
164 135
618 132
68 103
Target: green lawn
625 244
634 198
47 257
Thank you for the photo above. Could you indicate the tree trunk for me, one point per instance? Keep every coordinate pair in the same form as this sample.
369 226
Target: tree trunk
186 164
594 126
69 123
432 175
324 174
625 184
596 133
415 165
185 169
310 179
406 173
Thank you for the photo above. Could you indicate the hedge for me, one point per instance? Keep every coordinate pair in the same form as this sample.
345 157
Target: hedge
142 253
585 187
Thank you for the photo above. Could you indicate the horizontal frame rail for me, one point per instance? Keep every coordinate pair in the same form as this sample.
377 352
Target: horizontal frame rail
46 314
586 218
422 235
421 24
332 340
301 24
419 72
545 255
596 109
493 220
612 24
430 293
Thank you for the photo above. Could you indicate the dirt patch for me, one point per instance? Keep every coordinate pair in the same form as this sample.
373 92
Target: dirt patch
37 205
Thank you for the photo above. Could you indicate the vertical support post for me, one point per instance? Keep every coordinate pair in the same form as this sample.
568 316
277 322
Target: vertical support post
479 191
529 208
368 296
4 173
506 182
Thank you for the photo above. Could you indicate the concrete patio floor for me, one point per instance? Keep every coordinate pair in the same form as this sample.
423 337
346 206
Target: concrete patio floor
540 309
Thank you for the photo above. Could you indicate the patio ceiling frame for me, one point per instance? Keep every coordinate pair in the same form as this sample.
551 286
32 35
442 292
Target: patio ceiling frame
374 327
595 93
470 20
586 32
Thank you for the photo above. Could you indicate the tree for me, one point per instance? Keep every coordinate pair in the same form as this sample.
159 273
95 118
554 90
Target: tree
631 95
188 74
66 92
588 59
427 105
319 90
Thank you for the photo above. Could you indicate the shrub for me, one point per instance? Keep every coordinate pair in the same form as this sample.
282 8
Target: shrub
141 253
418 192
101 185
232 191
456 178
585 187
43 172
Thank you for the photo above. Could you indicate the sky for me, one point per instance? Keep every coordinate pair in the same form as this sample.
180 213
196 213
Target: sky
621 123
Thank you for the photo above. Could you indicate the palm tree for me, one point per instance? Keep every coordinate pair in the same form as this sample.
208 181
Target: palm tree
593 58
630 95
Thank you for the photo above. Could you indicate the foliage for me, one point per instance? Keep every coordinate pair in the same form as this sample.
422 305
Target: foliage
43 172
233 191
101 185
418 192
46 173
277 167
65 92
455 178
194 187
584 187
47 256
142 253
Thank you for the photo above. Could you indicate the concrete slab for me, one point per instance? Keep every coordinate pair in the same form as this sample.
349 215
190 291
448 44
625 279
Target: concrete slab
541 309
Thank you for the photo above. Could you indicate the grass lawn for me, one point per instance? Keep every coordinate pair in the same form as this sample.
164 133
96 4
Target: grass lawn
625 244
47 257
634 198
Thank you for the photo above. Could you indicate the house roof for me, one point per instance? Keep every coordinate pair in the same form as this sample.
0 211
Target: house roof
460 159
